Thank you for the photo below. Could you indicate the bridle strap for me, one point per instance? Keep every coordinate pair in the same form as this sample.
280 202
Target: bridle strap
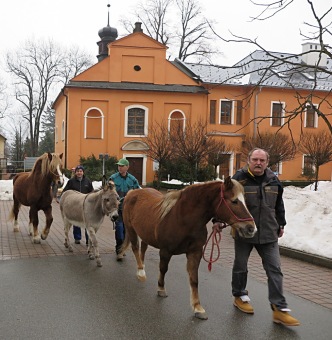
223 200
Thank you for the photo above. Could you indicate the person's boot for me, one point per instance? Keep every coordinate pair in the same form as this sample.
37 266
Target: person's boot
283 317
242 303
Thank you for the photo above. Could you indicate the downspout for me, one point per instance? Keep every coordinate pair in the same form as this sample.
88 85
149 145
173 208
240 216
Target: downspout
255 110
66 121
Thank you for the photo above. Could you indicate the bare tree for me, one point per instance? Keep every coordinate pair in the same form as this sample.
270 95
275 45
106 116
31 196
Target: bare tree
291 70
159 147
3 100
318 147
280 147
194 145
155 16
192 38
38 68
219 157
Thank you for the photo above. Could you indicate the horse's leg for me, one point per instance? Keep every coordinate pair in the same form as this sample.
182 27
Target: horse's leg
49 220
134 240
67 242
144 247
165 257
193 261
34 220
93 238
15 210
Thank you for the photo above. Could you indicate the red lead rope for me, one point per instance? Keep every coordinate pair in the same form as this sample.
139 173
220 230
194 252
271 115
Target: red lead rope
215 236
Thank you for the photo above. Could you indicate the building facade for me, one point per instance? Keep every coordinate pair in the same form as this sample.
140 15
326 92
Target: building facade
109 107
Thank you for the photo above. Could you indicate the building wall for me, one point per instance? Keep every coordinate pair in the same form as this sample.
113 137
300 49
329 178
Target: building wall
121 66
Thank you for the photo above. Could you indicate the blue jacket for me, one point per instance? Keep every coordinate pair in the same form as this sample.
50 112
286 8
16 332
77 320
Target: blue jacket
124 184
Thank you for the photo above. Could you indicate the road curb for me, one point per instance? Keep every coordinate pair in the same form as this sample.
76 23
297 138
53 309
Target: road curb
306 257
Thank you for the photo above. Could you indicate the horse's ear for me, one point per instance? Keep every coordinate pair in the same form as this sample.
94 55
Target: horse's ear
228 183
61 155
49 156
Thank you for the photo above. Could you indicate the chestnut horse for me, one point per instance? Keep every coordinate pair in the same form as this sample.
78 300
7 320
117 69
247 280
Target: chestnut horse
33 189
176 222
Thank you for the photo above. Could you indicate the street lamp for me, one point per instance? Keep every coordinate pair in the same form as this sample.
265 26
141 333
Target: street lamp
103 156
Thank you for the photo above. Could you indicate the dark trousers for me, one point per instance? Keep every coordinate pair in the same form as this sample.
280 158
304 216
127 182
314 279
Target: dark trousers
270 256
119 233
77 233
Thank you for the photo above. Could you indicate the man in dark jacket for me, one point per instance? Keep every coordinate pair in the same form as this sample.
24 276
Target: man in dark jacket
81 183
263 195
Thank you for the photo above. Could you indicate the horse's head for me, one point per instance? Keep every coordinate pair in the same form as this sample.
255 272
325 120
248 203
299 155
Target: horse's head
110 201
55 167
232 208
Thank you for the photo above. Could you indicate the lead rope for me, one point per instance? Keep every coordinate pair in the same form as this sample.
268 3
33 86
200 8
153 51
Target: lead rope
215 236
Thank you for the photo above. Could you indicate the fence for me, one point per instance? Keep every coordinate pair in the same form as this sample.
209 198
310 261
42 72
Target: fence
9 169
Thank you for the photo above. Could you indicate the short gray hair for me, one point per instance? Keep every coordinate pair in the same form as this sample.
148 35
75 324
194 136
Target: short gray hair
256 149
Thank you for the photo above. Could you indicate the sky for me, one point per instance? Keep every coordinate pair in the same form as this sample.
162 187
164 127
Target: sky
78 21
308 216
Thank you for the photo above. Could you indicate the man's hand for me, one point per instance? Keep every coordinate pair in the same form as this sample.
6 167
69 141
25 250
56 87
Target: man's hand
281 231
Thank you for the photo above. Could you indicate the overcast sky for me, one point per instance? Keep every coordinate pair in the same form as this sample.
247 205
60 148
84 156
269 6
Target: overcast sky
69 21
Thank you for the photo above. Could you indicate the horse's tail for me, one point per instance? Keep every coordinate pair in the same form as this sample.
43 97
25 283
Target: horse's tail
126 243
11 216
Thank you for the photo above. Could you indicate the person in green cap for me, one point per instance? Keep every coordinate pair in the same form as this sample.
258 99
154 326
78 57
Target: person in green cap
124 182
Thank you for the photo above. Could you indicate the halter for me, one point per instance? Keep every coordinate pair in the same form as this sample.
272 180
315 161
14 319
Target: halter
216 231
223 200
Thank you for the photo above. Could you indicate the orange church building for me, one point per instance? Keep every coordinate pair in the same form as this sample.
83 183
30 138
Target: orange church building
109 107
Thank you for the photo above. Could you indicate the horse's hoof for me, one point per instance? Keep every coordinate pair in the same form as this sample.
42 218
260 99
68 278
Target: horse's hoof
43 237
66 245
91 257
99 264
162 293
16 229
201 316
70 249
36 240
141 278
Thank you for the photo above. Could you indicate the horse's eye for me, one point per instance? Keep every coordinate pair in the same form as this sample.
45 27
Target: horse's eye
236 201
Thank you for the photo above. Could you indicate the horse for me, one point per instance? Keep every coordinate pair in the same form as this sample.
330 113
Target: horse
88 211
33 189
175 223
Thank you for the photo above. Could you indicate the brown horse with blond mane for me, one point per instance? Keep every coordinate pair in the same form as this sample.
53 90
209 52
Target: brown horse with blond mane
176 222
33 189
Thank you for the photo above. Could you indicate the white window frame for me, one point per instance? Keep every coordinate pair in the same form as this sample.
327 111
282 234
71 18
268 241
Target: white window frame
283 105
232 112
170 119
315 117
102 117
146 116
313 167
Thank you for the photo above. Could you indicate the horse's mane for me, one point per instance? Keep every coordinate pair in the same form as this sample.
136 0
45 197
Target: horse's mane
171 198
45 165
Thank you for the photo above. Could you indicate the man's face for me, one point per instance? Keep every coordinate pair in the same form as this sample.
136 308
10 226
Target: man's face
258 162
79 173
123 169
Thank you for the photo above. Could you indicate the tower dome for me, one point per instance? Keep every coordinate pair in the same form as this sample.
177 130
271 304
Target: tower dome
107 34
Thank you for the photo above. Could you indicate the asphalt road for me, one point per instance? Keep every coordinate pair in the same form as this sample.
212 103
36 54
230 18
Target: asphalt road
69 297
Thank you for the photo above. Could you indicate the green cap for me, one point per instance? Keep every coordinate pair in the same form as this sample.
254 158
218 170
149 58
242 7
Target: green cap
123 162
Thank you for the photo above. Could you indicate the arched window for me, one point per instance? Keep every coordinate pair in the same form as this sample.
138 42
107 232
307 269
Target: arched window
136 121
176 121
94 124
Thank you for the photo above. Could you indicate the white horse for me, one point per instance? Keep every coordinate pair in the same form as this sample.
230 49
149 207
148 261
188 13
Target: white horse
88 211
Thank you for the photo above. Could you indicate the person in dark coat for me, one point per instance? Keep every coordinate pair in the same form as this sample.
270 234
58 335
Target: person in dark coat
81 183
263 196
